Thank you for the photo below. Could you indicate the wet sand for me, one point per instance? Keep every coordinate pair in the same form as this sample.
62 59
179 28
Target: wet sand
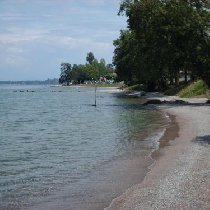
180 176
171 133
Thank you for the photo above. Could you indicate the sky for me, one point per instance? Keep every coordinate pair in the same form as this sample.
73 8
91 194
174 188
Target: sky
36 36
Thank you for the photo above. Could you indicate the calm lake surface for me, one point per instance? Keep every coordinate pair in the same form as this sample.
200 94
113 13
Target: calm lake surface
60 152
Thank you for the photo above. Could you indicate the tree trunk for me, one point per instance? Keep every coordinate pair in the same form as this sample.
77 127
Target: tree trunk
177 79
185 75
171 80
192 77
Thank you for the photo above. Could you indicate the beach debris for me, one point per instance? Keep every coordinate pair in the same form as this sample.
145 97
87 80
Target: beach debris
208 102
180 102
203 139
153 101
175 102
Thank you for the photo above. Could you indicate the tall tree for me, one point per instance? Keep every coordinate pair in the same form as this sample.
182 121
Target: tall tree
171 35
125 56
65 76
79 74
90 58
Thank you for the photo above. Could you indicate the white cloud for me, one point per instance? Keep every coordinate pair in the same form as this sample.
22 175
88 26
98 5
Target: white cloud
14 50
15 38
16 35
17 17
76 43
37 33
13 60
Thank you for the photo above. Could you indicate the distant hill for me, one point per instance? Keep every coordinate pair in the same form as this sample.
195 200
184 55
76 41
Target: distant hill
35 82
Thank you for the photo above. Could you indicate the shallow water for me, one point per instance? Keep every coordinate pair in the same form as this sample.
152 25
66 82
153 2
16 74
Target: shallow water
60 152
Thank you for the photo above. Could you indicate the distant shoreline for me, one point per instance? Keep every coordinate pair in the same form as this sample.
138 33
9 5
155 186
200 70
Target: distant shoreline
31 82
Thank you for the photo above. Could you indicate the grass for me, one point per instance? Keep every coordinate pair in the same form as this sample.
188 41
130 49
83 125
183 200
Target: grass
194 90
138 87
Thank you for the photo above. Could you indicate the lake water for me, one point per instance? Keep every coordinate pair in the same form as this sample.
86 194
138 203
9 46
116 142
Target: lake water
60 152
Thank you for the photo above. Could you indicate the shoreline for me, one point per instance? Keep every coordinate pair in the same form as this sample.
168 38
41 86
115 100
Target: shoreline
101 89
170 134
180 175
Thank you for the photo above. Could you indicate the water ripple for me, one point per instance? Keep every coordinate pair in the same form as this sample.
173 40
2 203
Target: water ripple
51 139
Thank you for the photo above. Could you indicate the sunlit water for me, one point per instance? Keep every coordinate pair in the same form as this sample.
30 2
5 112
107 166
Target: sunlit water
53 140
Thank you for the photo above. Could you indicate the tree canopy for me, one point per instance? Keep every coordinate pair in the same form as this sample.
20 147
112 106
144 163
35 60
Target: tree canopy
91 71
65 73
90 58
163 38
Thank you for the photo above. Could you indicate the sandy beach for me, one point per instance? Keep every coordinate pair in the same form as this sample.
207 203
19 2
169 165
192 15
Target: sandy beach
180 176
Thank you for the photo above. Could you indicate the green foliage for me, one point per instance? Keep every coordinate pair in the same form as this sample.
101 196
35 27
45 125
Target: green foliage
174 90
91 71
124 56
79 74
138 87
90 58
65 76
164 37
194 89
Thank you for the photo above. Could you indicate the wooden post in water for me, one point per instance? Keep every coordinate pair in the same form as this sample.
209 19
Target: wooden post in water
95 94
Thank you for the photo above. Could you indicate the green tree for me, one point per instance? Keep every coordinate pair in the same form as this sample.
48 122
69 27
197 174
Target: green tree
92 70
90 58
125 56
171 35
65 76
79 74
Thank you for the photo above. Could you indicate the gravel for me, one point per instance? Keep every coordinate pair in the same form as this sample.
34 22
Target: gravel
180 178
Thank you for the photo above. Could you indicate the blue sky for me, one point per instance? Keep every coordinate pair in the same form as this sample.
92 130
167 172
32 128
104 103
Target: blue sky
37 35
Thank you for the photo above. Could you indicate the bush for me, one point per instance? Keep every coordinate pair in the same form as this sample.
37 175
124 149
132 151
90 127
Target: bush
138 87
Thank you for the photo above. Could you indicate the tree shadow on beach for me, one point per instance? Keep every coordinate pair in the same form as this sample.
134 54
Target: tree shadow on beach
203 139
